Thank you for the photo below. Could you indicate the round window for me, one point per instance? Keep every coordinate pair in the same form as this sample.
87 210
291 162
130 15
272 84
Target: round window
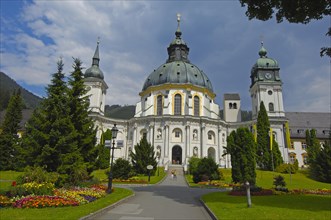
270 92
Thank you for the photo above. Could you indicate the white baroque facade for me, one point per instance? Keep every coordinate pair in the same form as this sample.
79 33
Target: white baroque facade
177 113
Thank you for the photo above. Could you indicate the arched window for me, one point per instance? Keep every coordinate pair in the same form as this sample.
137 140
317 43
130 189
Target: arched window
235 105
178 105
159 107
230 105
196 106
271 107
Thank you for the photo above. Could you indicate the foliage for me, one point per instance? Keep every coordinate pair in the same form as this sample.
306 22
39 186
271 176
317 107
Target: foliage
84 126
32 188
193 164
103 153
143 156
302 11
36 174
9 140
44 201
207 170
122 169
287 168
241 147
267 158
279 181
319 158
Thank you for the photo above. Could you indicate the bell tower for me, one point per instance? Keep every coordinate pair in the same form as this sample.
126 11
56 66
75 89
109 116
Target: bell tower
266 86
95 85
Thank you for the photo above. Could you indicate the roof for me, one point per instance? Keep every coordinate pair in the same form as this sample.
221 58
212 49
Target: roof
299 122
231 96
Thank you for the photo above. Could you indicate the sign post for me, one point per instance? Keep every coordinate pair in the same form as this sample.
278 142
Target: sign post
149 168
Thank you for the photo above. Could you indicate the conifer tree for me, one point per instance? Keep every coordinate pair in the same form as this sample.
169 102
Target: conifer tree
143 156
103 153
242 148
267 158
51 133
9 141
84 126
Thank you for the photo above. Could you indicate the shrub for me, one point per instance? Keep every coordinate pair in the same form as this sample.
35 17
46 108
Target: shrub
221 175
122 169
279 183
287 168
193 164
36 174
31 188
207 170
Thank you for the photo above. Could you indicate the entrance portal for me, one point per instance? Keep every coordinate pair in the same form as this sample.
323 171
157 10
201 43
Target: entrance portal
176 155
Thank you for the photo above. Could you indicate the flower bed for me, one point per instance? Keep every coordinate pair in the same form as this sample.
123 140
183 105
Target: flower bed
62 197
263 192
217 183
44 201
311 191
130 180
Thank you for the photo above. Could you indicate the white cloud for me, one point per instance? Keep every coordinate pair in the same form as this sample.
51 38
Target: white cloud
134 37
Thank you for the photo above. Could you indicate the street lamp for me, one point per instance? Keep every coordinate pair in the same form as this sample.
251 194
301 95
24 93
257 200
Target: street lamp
114 131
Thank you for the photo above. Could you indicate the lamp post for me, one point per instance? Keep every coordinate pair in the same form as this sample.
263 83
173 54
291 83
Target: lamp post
248 193
114 131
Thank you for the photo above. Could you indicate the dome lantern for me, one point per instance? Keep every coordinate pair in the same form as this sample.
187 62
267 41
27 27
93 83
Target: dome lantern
94 70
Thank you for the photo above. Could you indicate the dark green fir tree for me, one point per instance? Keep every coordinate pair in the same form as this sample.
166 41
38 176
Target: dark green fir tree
143 156
84 126
268 156
242 147
9 140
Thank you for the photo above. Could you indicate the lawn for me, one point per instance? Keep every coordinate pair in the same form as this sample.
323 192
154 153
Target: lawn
225 206
64 213
264 179
101 175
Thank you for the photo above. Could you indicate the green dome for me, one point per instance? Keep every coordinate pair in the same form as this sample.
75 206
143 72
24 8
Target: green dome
178 69
178 72
265 62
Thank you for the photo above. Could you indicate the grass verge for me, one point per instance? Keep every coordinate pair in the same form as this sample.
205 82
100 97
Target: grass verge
225 206
65 213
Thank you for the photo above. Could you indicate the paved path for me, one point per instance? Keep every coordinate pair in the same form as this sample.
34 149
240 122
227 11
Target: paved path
172 199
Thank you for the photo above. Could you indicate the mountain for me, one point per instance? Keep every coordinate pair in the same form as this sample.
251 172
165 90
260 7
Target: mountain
120 112
7 87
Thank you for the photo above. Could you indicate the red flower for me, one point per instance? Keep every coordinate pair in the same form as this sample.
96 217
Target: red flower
13 183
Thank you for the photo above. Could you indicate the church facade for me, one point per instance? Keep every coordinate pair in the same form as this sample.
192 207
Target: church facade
177 113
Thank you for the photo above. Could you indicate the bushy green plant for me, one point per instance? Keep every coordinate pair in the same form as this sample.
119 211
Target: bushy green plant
36 174
193 164
279 183
207 170
221 175
122 169
287 168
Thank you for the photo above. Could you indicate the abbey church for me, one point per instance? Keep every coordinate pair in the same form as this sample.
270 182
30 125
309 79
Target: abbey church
178 116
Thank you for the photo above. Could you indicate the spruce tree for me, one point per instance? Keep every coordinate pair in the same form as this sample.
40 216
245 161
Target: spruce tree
84 126
51 133
242 148
267 158
143 156
9 141
103 153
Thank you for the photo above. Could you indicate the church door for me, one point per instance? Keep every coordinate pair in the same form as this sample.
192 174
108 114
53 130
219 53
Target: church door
176 155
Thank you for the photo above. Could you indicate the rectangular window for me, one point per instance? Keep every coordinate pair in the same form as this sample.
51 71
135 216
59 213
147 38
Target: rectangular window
177 134
210 137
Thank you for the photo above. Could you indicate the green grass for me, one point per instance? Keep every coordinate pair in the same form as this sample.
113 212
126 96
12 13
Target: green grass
101 175
9 175
225 206
64 213
264 179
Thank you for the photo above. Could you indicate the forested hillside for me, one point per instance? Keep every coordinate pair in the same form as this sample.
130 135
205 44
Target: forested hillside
7 87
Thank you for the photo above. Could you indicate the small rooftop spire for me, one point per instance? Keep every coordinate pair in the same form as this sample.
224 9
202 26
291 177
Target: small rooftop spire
178 32
96 58
262 51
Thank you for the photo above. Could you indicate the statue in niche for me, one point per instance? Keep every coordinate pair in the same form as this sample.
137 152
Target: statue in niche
195 151
158 152
159 134
195 135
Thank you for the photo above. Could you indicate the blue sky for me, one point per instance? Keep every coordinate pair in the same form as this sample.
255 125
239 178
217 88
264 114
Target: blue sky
134 36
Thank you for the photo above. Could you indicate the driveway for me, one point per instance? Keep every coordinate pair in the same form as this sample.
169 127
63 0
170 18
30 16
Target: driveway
171 199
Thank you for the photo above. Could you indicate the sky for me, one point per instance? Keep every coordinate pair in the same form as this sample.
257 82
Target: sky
134 36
